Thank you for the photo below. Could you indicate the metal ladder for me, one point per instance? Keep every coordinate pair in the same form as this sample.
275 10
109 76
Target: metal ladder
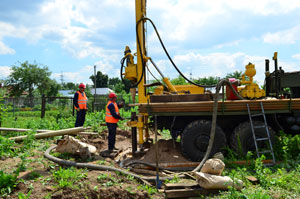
267 131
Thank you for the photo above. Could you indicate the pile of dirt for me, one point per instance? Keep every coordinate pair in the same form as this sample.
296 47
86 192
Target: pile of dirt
123 140
167 153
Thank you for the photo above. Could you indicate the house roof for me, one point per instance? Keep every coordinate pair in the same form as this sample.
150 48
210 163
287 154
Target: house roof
101 91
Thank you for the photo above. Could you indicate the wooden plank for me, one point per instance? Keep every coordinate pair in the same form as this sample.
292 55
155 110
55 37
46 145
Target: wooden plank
146 172
169 186
180 98
228 106
184 193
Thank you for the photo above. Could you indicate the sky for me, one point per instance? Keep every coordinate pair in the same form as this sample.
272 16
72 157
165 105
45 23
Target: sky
204 38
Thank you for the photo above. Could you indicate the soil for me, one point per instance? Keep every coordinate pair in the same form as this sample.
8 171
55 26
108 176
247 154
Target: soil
168 152
38 177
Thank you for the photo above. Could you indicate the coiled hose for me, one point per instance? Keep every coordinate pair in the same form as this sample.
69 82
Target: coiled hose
143 179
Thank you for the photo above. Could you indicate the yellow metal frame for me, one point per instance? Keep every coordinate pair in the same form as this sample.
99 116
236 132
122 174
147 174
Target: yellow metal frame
251 90
134 72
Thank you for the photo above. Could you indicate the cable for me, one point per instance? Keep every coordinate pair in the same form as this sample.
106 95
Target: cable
174 65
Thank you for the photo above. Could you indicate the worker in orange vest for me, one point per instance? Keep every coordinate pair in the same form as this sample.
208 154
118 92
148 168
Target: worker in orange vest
112 117
80 104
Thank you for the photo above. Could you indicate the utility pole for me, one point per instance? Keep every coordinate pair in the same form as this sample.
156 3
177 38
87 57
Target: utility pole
62 78
95 88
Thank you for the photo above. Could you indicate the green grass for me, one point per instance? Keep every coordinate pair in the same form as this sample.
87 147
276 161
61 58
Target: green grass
68 177
7 182
280 181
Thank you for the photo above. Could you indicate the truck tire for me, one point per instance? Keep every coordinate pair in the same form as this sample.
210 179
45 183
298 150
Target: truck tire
242 139
195 139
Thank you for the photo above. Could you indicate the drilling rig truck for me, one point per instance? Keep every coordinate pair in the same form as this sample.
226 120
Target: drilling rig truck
247 116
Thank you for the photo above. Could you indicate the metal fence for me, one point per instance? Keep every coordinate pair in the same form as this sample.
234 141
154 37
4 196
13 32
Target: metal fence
43 104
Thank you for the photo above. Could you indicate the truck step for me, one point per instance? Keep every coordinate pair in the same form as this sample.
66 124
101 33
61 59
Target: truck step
267 151
261 139
260 126
256 115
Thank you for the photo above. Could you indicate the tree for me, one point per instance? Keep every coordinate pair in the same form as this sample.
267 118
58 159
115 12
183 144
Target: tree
69 86
235 74
52 88
101 80
113 81
209 81
117 85
28 77
179 81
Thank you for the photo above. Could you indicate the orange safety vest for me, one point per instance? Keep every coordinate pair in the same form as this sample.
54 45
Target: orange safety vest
108 116
82 100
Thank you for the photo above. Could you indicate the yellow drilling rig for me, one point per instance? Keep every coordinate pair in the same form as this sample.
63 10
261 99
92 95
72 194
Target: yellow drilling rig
186 110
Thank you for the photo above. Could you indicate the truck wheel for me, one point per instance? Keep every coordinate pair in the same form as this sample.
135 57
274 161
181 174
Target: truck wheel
195 139
242 139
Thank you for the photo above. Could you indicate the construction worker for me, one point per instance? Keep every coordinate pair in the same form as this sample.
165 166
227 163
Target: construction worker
112 117
80 104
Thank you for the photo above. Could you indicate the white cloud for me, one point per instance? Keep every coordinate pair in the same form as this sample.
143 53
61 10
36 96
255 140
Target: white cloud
216 64
5 71
4 50
296 56
264 7
289 36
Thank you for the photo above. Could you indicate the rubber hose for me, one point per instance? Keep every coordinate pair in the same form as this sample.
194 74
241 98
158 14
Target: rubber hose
154 166
214 120
59 161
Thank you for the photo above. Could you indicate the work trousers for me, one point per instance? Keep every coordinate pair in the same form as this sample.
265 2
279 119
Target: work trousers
112 130
80 117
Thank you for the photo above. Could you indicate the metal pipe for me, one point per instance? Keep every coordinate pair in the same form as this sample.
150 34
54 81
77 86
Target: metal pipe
276 75
140 129
133 135
157 68
71 131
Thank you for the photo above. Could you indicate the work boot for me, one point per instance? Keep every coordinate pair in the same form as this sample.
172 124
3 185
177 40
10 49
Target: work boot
116 149
109 151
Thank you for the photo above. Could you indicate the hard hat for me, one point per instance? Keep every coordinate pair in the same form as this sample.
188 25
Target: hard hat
81 85
112 95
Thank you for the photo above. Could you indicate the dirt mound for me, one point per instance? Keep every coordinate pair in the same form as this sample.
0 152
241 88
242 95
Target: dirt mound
167 153
101 143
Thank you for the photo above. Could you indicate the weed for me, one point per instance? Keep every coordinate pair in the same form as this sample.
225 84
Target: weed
67 177
33 175
95 188
101 162
150 190
175 179
261 172
48 196
130 190
7 182
23 196
102 177
108 184
165 134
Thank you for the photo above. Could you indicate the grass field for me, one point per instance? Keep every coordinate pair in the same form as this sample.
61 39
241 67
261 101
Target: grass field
279 181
